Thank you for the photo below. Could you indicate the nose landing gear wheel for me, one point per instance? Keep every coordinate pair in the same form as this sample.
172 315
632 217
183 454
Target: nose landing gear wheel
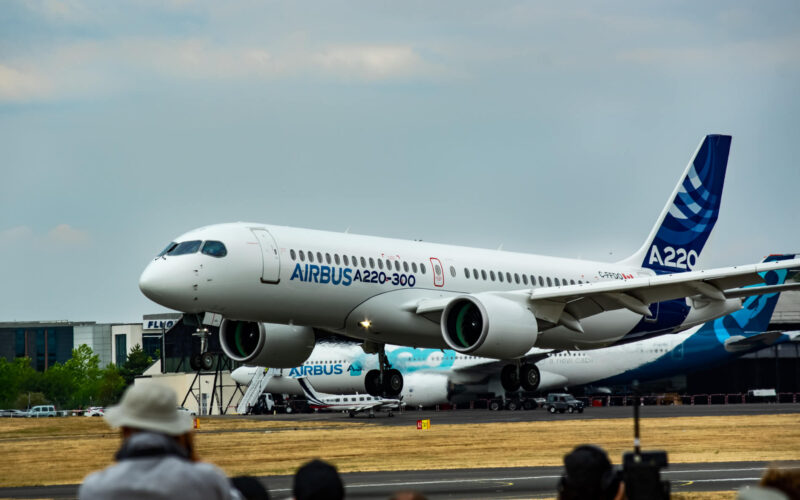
207 361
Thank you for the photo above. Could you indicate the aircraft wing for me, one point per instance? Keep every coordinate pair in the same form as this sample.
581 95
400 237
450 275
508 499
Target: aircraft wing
568 304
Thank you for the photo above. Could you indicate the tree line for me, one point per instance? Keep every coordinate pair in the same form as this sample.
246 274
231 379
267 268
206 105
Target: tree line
79 382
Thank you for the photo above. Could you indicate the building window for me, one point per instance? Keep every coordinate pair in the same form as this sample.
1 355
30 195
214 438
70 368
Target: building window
121 344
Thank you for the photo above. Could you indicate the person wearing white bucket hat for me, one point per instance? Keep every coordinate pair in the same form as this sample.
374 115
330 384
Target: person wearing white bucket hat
157 457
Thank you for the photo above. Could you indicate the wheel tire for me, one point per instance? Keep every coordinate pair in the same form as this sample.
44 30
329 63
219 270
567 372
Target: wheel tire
372 383
352 414
494 405
393 383
289 409
570 409
509 378
195 361
529 377
511 406
552 409
527 405
207 360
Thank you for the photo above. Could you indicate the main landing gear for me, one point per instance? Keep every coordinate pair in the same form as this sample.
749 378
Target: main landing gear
525 375
386 381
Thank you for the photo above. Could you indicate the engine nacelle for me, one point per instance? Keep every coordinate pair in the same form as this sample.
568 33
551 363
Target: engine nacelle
266 344
488 325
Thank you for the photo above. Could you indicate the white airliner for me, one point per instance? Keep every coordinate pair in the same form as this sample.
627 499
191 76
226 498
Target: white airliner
270 287
433 376
351 403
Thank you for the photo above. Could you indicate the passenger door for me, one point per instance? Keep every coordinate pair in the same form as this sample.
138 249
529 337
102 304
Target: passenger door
271 262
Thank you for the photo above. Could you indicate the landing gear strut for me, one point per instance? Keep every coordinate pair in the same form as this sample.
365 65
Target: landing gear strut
385 381
525 375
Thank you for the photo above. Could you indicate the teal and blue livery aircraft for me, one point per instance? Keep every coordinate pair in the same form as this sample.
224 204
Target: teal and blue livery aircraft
270 289
434 376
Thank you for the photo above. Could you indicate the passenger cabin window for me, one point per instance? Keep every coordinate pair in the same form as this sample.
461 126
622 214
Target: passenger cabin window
397 265
500 276
475 273
524 279
541 281
293 254
491 275
405 266
557 282
516 278
344 259
422 268
452 271
363 262
311 256
483 274
414 266
319 257
508 277
466 272
371 263
216 249
336 258
549 281
380 264
328 258
186 248
302 255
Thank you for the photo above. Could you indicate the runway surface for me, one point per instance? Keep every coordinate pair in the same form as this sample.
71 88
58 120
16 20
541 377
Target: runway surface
528 482
409 417
524 482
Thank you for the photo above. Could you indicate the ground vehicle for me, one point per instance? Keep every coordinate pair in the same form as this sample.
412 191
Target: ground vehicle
561 402
515 402
186 410
94 411
42 411
13 413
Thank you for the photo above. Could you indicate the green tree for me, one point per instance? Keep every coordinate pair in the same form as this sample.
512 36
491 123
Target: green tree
138 361
110 386
16 377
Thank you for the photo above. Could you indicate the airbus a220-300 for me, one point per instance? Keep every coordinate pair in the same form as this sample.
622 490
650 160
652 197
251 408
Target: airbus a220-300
273 286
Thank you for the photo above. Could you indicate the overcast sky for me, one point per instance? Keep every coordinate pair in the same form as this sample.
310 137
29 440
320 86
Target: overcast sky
555 128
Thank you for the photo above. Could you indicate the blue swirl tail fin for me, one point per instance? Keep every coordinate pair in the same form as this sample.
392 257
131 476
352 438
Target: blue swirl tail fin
685 223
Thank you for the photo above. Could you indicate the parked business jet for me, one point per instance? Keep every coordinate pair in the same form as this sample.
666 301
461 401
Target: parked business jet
351 403
434 376
269 287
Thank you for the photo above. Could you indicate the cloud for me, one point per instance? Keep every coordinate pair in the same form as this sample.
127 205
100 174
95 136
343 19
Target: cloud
60 236
89 68
20 86
64 234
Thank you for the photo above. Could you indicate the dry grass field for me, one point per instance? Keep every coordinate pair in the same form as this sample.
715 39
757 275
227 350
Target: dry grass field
64 450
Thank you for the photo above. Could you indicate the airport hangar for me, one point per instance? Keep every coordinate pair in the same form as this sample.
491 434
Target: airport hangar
210 389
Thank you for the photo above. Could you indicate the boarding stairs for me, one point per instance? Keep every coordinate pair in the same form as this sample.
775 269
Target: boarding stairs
254 390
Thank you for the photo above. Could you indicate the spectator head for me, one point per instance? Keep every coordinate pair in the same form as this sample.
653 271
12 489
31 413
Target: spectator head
250 488
149 407
784 479
588 474
318 480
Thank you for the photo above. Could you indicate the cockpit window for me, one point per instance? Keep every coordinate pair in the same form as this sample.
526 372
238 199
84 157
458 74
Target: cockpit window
215 249
166 250
185 247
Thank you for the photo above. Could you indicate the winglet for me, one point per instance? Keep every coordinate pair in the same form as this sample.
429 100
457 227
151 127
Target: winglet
685 223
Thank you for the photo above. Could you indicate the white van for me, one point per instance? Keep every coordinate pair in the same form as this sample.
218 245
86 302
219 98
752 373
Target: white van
42 411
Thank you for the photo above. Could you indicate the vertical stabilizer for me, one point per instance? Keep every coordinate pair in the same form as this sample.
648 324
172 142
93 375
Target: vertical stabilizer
311 394
682 229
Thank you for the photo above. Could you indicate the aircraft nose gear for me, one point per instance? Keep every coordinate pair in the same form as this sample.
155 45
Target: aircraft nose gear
386 381
527 376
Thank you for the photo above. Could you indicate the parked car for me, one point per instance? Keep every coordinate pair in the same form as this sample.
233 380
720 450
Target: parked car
94 411
560 402
187 410
13 413
42 411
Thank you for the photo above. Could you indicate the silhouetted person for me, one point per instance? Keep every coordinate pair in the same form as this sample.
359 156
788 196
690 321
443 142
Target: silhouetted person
589 475
157 457
250 488
318 480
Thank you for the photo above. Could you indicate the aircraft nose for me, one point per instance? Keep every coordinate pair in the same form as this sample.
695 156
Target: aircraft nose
159 283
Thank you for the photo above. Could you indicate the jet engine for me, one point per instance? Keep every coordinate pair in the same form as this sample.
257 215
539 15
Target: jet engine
488 325
266 344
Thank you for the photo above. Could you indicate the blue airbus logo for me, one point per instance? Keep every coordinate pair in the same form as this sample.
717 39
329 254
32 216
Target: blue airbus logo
312 273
